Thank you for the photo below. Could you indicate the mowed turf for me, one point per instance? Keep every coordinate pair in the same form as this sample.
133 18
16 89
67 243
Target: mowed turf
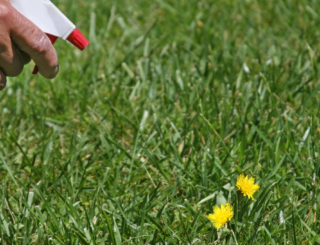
141 134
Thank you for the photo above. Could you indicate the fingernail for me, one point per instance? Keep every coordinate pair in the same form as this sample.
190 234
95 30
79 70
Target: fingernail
3 80
54 73
2 85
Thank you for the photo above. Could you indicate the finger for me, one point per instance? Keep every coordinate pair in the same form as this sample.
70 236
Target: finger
3 80
24 56
11 61
30 39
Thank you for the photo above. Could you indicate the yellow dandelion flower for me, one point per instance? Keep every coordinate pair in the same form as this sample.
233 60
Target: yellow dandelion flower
221 215
246 186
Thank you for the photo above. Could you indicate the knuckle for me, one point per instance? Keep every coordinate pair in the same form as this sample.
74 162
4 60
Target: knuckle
3 47
5 12
42 45
5 43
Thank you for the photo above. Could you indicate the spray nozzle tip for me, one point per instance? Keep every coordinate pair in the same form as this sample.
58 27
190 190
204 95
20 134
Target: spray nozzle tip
78 39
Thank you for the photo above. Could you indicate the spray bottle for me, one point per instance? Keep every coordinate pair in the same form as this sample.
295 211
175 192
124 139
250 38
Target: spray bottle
51 21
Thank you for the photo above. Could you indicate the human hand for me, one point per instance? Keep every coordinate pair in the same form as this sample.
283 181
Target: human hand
21 41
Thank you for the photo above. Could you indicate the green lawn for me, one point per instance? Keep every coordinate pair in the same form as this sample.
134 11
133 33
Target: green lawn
141 134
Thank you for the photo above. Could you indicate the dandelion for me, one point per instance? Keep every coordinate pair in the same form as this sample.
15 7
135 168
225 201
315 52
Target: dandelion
246 186
221 215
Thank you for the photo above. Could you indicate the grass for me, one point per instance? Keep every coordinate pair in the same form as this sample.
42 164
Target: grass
147 129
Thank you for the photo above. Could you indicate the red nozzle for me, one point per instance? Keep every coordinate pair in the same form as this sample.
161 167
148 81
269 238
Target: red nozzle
78 40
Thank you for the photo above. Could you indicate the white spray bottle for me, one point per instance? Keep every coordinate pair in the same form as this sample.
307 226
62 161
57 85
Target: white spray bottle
51 21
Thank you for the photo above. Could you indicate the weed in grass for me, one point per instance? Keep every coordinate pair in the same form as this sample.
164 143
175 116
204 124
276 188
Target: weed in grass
221 215
247 186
